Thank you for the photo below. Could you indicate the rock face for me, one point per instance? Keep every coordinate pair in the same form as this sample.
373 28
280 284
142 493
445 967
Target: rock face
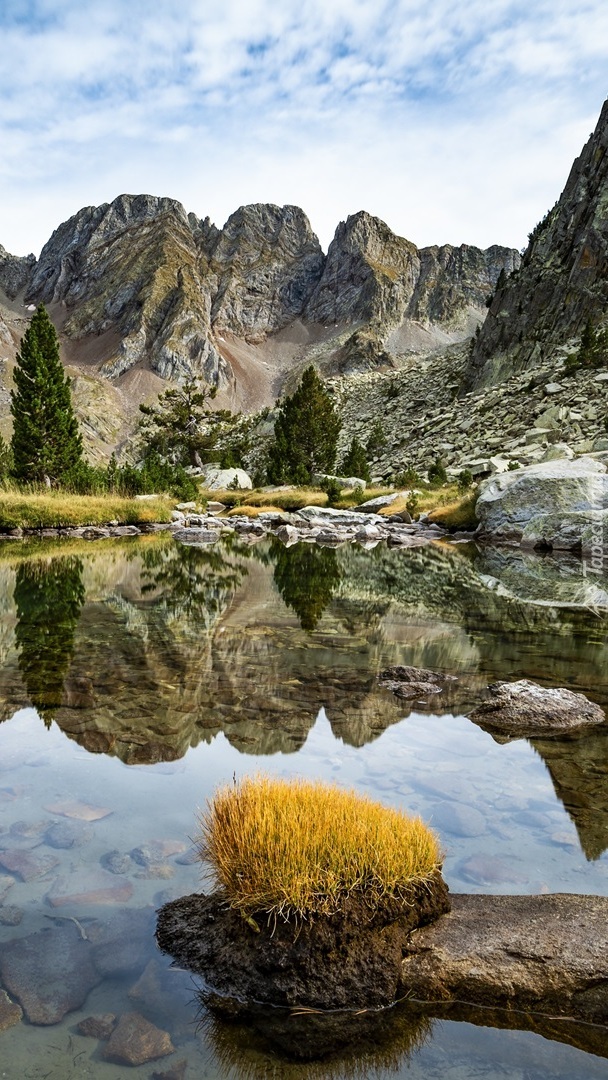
347 960
563 279
523 708
542 953
15 272
401 297
517 505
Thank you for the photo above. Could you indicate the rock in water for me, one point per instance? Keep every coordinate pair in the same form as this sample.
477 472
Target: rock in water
50 972
9 1012
351 959
135 1040
410 682
525 709
541 953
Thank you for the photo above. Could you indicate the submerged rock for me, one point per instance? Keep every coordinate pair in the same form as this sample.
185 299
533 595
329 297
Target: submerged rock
50 973
523 708
351 959
135 1040
542 953
10 1013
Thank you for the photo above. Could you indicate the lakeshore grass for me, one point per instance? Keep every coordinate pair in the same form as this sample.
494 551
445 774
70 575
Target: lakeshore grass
299 847
61 509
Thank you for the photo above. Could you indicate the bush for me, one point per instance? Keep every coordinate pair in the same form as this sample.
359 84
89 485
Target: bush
332 488
465 480
265 854
354 462
409 478
437 474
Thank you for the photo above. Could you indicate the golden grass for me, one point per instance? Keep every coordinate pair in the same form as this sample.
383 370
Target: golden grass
299 847
57 509
459 514
282 500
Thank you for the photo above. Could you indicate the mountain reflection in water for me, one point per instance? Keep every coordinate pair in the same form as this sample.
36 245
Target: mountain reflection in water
143 649
234 656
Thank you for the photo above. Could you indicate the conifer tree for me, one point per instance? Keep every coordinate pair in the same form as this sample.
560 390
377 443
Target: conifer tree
305 433
46 444
354 462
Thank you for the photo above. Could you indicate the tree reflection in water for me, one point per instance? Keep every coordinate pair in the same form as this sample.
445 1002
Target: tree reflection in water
195 581
48 596
306 577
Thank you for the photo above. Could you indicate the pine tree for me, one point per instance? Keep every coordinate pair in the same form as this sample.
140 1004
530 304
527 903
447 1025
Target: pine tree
305 433
180 428
354 462
46 443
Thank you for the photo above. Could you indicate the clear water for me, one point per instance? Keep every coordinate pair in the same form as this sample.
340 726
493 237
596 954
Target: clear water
135 677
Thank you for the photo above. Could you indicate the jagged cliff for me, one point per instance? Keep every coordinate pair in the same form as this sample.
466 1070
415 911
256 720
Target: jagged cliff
563 279
143 293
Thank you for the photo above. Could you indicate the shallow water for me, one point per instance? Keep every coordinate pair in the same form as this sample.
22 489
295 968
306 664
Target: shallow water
159 671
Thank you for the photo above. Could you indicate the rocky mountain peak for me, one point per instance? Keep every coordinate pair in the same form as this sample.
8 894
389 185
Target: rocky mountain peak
15 272
267 261
563 279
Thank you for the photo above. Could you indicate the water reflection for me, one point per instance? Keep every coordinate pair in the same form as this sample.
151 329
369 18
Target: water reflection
306 577
48 597
278 1043
194 582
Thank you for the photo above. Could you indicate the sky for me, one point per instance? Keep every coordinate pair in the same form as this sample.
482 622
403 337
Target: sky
453 122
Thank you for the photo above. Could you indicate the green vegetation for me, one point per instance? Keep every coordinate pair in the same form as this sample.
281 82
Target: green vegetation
297 847
180 429
46 444
593 350
437 474
354 462
377 438
59 509
305 434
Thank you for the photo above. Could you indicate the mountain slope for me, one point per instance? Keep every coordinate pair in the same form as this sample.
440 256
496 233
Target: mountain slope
563 279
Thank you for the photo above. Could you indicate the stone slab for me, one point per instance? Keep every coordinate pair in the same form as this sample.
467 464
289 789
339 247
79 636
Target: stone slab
543 953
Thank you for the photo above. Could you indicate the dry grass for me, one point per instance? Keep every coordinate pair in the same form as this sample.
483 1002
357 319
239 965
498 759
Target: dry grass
297 847
57 509
459 514
281 500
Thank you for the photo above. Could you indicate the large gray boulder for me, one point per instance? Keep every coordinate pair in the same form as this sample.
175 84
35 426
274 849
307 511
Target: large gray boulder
510 502
542 953
524 708
222 479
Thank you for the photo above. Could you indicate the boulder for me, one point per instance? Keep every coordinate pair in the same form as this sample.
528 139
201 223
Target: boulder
135 1040
577 530
343 481
525 709
372 506
539 953
49 972
222 479
508 502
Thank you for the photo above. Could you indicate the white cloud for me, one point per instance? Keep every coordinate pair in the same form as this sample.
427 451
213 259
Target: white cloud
453 122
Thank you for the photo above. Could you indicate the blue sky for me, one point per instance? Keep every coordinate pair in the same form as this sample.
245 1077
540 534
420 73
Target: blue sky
452 122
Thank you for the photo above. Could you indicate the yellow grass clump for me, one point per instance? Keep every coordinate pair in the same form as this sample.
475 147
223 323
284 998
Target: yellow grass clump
299 847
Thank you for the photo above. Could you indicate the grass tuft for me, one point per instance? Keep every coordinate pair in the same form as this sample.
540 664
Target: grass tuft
299 847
